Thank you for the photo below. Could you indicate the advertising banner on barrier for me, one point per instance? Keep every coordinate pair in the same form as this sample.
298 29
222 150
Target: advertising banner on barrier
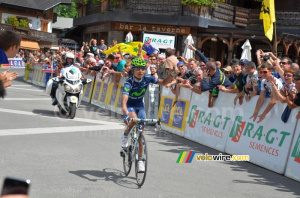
88 89
174 117
293 163
16 62
210 126
113 98
268 142
97 93
118 103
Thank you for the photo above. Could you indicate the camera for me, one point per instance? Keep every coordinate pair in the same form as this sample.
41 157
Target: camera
179 58
193 81
266 57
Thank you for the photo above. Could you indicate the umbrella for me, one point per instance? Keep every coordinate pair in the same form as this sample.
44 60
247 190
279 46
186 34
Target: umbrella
246 54
129 37
187 54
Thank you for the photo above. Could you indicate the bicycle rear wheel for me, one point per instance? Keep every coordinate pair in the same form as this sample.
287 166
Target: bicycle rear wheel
140 177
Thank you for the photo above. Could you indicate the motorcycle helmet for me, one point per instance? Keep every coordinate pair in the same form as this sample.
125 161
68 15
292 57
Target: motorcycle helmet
69 56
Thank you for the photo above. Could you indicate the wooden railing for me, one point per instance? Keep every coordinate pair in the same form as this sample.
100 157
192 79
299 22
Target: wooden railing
30 34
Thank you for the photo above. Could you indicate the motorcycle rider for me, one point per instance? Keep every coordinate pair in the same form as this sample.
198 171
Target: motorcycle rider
70 59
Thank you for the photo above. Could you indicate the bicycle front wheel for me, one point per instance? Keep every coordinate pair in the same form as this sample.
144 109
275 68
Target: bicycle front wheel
141 176
127 161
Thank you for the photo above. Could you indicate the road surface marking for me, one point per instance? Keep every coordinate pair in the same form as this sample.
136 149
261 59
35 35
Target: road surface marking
66 129
64 119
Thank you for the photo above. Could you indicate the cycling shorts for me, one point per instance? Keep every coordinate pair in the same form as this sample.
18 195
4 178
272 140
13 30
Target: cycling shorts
139 111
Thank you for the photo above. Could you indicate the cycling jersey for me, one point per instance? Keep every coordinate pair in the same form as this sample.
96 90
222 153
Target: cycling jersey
136 89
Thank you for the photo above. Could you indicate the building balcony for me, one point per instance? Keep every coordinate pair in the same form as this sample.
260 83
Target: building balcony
30 34
224 13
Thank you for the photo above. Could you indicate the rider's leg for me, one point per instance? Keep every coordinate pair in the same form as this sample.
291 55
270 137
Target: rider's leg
124 137
131 123
141 115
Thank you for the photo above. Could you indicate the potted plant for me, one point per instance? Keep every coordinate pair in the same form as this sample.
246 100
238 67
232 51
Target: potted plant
201 8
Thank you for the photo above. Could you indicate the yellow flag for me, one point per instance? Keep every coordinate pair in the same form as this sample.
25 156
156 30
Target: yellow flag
131 48
267 14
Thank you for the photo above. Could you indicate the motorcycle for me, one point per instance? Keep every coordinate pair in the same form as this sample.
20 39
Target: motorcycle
70 90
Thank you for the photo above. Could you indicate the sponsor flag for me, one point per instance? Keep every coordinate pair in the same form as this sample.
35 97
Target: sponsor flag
131 48
267 14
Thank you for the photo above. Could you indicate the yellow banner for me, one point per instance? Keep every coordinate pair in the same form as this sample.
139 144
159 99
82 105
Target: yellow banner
267 14
131 48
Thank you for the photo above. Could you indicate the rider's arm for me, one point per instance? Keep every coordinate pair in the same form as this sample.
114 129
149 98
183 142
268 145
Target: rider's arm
124 104
166 80
126 89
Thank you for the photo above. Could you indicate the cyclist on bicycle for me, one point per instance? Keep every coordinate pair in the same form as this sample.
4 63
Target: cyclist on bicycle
132 100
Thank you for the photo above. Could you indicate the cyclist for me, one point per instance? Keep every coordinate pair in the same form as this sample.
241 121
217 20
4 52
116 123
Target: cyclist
132 100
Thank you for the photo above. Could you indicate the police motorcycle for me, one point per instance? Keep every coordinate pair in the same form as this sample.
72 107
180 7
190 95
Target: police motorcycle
67 90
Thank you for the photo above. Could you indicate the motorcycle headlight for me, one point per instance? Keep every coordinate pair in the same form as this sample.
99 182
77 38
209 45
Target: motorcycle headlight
67 87
78 88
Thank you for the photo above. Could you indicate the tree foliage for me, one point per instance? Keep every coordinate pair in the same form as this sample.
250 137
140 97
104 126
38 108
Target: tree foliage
210 3
12 20
69 11
23 23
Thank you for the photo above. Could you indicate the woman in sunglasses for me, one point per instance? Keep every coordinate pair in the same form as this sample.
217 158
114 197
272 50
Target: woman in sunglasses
288 89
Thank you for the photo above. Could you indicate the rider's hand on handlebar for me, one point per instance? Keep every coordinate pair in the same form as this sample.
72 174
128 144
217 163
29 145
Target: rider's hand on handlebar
126 119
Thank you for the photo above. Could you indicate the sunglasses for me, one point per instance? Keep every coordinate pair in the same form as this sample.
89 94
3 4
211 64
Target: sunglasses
288 75
282 63
139 68
263 72
227 72
180 66
117 57
296 79
152 59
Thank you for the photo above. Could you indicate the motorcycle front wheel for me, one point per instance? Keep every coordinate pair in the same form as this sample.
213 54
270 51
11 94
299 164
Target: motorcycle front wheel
72 111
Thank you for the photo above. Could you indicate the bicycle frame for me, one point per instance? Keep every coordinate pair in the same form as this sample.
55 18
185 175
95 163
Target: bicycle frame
135 133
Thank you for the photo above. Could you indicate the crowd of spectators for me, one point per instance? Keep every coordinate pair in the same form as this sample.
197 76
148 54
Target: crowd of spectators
274 78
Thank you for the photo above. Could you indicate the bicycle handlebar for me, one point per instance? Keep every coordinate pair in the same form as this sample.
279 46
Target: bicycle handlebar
144 120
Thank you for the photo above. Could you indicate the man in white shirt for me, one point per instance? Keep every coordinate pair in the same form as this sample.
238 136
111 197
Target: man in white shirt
266 71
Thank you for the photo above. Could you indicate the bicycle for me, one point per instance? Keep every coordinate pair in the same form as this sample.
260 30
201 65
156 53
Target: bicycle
130 153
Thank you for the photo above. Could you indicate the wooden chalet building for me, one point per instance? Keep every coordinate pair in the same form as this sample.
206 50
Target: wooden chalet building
219 32
39 13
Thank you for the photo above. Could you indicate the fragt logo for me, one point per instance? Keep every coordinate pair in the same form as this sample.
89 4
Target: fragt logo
296 151
249 129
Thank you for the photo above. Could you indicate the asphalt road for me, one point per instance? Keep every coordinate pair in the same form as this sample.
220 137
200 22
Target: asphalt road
80 157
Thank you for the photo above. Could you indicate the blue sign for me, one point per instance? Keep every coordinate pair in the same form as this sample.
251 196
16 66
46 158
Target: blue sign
179 114
104 91
166 110
120 98
113 96
16 63
98 87
88 89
